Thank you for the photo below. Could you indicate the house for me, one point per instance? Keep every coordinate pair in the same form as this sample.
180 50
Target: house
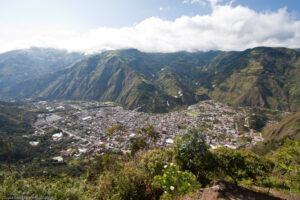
66 152
58 158
57 136
169 141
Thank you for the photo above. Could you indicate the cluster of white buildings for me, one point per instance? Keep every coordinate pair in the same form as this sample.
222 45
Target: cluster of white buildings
88 123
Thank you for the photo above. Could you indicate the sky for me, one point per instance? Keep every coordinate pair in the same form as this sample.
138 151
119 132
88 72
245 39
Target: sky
149 25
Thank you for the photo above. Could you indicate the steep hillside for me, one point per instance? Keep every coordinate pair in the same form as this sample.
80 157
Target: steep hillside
266 77
15 120
19 65
280 134
157 82
288 126
129 77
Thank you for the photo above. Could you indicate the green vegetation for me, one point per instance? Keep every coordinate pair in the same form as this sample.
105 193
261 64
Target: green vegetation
282 147
287 168
259 77
58 188
15 120
153 174
262 77
114 129
277 135
244 139
239 165
289 126
175 182
192 113
147 139
138 144
19 65
192 154
257 120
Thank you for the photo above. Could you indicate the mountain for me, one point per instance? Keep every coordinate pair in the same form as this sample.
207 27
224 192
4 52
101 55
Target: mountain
289 126
15 120
158 82
283 133
19 65
265 77
154 82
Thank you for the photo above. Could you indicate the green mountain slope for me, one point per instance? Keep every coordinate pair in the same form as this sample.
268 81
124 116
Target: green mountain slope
280 134
129 77
287 127
266 77
19 65
15 120
158 82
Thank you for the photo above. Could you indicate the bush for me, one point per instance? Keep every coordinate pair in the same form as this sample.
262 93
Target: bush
239 164
153 162
62 188
287 162
129 183
175 182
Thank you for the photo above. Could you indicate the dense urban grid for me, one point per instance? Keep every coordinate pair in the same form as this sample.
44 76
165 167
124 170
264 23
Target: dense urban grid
87 123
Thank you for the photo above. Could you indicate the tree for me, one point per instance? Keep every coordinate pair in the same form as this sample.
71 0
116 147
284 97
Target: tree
9 149
257 120
242 164
150 133
192 153
138 144
114 129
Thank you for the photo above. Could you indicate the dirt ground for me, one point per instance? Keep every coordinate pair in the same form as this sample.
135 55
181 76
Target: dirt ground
223 190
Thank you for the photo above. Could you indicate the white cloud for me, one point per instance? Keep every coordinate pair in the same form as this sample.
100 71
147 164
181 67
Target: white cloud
212 3
226 28
201 2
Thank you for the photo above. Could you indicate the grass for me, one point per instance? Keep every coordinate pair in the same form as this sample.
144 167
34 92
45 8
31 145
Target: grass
193 113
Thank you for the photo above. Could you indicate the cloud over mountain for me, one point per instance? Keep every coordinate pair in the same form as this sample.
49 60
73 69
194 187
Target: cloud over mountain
225 28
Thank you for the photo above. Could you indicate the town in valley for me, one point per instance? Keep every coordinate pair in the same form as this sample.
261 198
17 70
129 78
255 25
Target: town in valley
87 123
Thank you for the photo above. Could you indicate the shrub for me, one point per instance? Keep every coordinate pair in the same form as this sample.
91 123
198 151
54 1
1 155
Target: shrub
153 162
175 182
239 164
129 183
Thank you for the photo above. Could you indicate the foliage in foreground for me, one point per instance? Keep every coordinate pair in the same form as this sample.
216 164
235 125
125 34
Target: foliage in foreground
148 174
192 154
175 182
239 165
59 188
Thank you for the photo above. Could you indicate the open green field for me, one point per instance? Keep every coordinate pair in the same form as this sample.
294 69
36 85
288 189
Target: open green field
192 113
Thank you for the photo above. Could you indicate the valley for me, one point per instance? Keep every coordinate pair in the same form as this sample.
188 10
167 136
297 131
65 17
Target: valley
150 100
85 118
88 123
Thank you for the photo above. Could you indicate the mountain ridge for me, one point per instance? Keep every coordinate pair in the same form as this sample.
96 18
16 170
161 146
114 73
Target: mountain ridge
159 82
19 65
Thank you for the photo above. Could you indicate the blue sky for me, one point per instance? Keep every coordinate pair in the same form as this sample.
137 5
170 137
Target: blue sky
82 15
53 23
